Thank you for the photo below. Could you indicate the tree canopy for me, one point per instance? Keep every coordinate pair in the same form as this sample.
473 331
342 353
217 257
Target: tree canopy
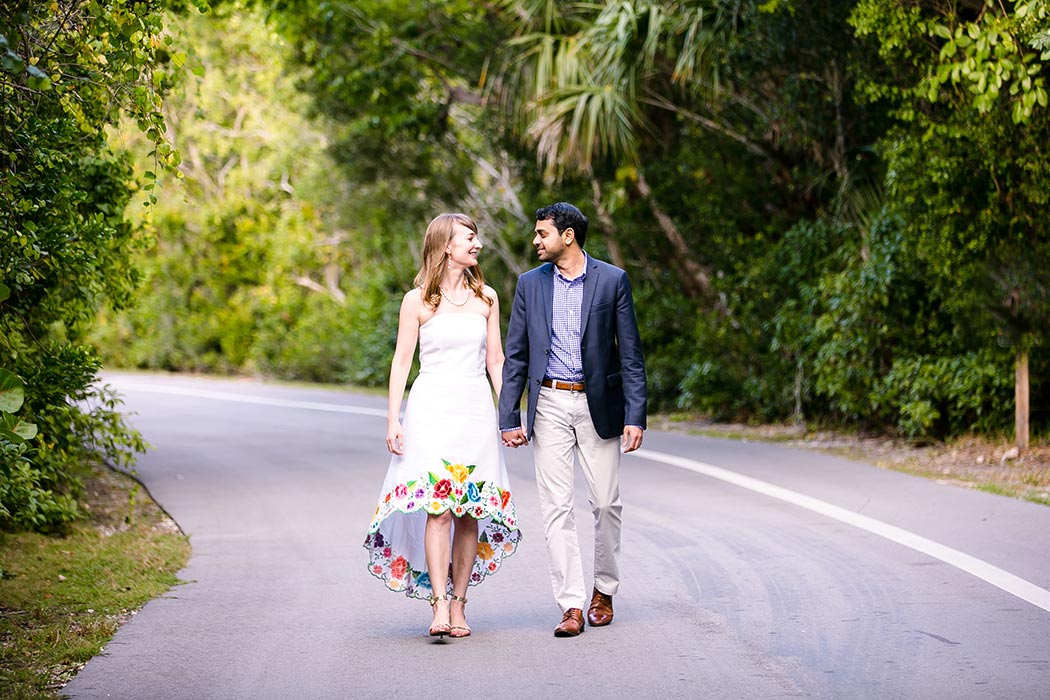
819 221
829 212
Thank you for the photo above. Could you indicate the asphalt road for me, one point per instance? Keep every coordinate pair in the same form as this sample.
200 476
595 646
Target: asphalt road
749 571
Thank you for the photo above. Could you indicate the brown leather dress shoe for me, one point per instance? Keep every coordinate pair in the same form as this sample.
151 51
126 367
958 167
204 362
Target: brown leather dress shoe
571 623
600 613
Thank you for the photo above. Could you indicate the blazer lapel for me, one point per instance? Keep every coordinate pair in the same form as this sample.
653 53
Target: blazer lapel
590 283
547 292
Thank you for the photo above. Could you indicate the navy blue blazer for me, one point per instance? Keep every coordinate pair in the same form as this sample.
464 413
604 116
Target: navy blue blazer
613 368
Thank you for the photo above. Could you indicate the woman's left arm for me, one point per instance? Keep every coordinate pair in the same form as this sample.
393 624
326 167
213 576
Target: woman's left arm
494 344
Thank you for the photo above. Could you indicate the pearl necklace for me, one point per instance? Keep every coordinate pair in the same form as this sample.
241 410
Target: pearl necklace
453 301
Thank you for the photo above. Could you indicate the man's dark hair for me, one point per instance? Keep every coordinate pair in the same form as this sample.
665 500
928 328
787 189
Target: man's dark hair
565 215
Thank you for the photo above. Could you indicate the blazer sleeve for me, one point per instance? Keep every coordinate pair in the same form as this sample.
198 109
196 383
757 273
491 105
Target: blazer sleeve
516 364
632 363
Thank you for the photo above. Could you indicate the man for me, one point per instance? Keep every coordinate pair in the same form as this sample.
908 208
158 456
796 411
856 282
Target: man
573 344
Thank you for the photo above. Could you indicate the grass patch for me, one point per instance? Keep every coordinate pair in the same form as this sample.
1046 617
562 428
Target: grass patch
695 424
62 597
983 463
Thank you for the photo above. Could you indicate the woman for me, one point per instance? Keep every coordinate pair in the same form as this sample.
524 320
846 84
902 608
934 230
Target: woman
445 518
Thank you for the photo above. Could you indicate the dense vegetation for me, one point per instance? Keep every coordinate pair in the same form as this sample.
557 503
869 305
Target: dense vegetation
68 69
831 212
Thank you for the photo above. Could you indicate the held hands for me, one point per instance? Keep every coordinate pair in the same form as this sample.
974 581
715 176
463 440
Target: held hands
514 438
395 438
632 438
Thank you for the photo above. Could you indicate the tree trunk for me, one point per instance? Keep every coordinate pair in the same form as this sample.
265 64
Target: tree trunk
696 280
615 252
1021 399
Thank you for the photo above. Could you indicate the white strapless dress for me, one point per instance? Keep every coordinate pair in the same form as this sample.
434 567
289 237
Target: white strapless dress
452 461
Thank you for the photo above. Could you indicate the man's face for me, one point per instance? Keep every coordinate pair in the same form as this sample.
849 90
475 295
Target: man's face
550 245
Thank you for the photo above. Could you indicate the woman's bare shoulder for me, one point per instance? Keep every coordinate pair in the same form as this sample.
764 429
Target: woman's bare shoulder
413 297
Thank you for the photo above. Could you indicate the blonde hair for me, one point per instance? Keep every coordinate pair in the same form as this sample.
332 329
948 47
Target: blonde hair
439 232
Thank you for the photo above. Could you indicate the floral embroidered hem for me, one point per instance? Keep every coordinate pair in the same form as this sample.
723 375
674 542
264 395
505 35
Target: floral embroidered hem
395 555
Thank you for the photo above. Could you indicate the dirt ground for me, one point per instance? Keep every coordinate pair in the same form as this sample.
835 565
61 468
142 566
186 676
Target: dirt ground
112 500
971 462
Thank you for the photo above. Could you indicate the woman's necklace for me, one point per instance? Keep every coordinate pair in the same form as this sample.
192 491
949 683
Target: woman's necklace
452 301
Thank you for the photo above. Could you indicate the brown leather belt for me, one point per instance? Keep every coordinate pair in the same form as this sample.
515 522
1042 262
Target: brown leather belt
565 386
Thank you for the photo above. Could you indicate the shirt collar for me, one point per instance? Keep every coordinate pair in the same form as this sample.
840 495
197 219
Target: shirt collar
583 275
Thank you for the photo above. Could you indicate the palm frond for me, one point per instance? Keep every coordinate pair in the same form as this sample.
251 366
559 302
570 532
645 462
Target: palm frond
578 123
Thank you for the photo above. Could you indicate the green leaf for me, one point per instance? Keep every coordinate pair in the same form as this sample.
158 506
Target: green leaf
5 292
11 436
12 393
17 430
13 63
27 431
38 79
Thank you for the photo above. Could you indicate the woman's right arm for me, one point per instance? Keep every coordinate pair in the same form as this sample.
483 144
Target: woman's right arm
400 366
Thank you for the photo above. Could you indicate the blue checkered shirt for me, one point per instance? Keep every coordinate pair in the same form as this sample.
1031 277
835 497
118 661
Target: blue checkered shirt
566 361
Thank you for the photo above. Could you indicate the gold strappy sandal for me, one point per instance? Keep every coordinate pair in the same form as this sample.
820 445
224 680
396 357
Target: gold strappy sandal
438 630
455 631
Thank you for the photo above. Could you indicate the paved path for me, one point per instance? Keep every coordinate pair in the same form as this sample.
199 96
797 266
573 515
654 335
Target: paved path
750 571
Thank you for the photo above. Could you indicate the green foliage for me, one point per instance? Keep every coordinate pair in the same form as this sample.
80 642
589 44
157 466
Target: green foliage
315 344
257 260
971 189
888 353
13 431
827 212
942 396
292 262
24 502
988 56
67 70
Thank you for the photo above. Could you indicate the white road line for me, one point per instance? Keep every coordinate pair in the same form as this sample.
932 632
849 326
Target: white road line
258 400
1015 585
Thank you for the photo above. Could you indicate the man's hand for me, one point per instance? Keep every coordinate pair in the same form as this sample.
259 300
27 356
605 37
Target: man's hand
514 438
632 438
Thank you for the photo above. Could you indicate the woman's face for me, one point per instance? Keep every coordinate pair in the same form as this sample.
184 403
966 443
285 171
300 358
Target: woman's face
463 247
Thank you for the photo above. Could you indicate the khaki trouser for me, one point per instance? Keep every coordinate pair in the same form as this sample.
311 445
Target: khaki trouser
563 431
